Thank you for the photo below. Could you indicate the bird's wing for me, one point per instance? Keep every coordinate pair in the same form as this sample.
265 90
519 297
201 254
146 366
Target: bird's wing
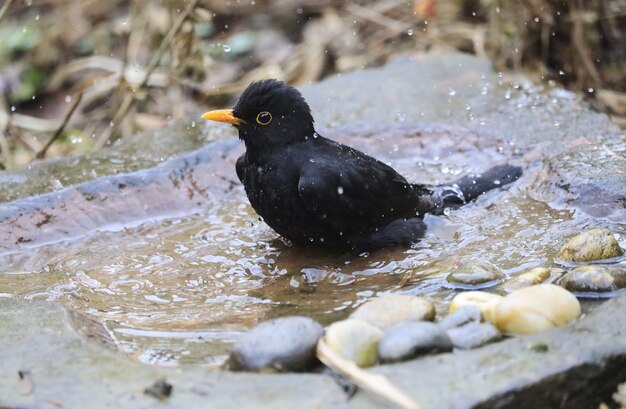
350 187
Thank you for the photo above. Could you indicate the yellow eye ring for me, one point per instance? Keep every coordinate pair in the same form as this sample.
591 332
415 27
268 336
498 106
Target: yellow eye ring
264 118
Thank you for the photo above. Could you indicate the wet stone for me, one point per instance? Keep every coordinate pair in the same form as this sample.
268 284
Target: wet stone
160 390
473 335
386 311
533 276
355 340
474 277
595 280
535 309
411 339
281 344
463 315
484 301
594 244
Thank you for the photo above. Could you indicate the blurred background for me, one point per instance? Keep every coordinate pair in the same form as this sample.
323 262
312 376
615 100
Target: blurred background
77 75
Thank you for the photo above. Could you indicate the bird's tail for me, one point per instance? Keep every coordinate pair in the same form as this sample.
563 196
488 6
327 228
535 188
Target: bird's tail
458 193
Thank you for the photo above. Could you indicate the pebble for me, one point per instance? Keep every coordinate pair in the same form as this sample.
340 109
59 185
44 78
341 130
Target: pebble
281 344
386 311
486 302
411 339
474 276
533 276
594 279
594 244
473 335
355 340
463 315
536 308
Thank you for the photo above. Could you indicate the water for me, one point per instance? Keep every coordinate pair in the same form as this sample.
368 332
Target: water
179 290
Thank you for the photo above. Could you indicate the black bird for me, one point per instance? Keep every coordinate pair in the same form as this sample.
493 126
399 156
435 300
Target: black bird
317 192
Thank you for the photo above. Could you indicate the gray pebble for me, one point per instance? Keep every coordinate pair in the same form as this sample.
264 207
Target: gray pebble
464 315
410 339
474 276
594 279
473 335
282 344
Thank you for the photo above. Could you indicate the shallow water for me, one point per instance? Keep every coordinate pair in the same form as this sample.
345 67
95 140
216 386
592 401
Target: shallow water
179 290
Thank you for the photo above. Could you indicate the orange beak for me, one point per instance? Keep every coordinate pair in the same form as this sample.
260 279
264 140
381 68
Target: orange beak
222 115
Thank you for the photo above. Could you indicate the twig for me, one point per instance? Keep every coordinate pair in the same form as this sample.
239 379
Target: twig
60 130
378 18
5 8
129 99
377 384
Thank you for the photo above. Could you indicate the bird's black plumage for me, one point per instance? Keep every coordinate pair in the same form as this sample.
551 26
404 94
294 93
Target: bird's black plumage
314 191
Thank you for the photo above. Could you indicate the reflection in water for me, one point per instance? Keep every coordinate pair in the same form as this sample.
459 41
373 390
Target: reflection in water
180 290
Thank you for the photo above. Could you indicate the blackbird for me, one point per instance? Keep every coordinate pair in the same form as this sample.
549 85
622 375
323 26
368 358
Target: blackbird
317 192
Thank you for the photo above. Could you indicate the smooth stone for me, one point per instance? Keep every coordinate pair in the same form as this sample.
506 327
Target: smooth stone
388 310
411 339
486 302
474 276
536 308
281 344
473 335
533 276
594 279
594 244
355 340
463 315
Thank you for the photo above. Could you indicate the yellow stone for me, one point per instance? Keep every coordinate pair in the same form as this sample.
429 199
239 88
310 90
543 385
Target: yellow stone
536 308
354 340
388 310
485 301
533 276
594 244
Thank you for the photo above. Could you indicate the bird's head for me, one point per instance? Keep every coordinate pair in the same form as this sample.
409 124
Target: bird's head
268 113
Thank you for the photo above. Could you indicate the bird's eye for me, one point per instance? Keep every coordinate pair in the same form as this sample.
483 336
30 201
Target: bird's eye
264 118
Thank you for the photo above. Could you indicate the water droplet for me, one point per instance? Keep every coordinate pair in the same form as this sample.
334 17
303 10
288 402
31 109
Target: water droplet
315 135
340 190
467 107
68 99
452 92
111 124
410 32
193 124
226 48
496 182
446 211
507 94
311 160
557 123
590 90
536 19
12 108
561 73
37 17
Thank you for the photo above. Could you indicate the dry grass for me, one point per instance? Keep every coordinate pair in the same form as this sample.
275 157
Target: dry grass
138 64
